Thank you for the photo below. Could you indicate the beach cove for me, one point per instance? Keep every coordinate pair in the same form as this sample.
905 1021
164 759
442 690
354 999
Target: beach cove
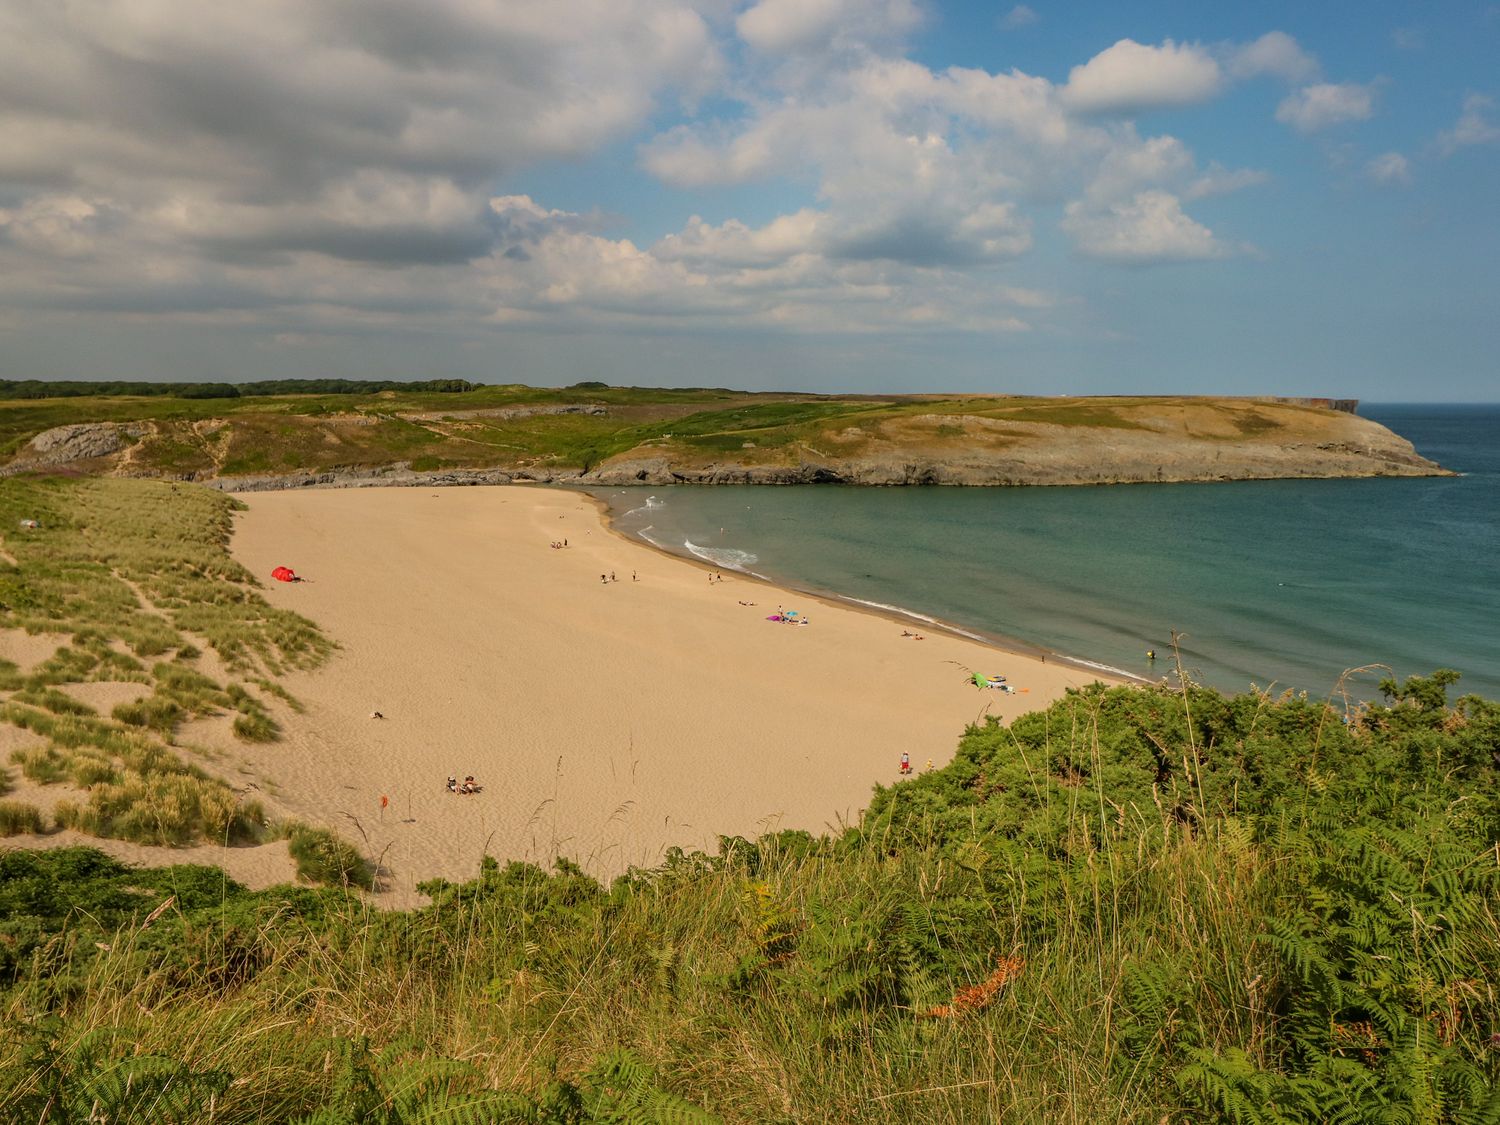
607 720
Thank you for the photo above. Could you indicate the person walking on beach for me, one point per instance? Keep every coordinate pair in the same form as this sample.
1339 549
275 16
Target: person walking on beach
905 763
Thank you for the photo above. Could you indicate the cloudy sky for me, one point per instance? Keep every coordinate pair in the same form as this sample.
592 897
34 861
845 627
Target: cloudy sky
814 194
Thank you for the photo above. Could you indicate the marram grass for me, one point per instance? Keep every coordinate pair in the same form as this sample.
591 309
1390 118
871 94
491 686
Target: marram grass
138 576
18 819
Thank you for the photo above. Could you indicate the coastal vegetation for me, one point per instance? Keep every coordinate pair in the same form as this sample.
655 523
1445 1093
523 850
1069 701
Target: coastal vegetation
634 434
132 584
1141 904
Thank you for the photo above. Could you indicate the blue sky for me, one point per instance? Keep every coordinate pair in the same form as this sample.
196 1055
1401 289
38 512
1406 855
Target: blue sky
834 195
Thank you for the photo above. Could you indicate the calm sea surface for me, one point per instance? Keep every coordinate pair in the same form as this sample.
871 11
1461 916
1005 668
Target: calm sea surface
1284 582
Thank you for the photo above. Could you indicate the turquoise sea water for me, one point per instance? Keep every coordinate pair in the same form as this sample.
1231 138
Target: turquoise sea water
1284 582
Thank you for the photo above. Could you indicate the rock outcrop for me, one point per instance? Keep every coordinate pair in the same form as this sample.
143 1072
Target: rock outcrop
77 444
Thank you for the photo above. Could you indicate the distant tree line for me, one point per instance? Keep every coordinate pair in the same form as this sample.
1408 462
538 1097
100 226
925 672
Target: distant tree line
58 388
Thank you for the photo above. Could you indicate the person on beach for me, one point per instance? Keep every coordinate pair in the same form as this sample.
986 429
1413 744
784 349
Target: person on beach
604 578
905 762
453 785
612 576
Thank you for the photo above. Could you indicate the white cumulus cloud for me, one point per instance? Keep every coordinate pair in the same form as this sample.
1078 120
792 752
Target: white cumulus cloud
802 25
1129 77
1326 104
1149 228
1275 53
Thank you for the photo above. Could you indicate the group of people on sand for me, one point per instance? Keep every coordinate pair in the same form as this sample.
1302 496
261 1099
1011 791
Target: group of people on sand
714 577
610 577
467 786
913 636
558 544
787 616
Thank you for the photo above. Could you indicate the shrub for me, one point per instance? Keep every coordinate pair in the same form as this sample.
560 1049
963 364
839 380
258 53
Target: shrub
322 857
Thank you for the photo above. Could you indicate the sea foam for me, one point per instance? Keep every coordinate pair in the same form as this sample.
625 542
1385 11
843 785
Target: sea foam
915 616
651 504
727 557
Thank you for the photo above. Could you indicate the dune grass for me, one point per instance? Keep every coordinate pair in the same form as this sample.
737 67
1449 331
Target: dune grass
323 858
19 819
133 572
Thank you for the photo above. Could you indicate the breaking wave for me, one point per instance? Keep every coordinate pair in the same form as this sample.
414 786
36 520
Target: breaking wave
915 616
651 504
727 557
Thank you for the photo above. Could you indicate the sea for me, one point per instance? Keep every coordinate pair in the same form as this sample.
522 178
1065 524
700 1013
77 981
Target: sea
1288 584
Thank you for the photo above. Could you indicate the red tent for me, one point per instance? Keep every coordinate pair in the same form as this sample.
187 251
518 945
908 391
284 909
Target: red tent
284 574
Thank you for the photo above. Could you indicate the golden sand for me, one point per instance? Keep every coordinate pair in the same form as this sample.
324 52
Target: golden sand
606 720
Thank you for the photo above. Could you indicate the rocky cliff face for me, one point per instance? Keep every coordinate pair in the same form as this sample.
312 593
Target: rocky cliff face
985 453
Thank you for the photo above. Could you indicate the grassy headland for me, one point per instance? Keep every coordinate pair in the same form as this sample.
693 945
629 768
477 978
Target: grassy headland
614 435
1139 905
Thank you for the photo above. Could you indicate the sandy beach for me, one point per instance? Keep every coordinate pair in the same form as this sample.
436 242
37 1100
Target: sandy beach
606 720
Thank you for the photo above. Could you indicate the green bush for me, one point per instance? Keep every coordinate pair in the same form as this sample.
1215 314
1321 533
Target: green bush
321 857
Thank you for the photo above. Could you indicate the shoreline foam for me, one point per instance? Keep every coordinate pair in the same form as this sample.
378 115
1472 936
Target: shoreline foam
895 613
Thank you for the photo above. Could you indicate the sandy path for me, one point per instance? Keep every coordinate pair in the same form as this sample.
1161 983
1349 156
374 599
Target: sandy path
606 721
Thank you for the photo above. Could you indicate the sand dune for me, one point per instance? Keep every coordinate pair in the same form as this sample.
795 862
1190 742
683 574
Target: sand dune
606 720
